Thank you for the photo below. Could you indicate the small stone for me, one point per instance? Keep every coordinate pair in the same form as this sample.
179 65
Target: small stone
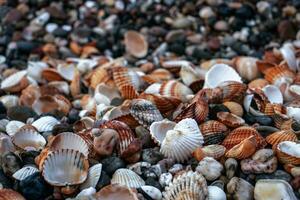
240 189
20 113
221 25
214 43
151 156
103 181
153 182
139 167
151 192
2 108
231 166
176 168
5 181
60 128
278 174
206 13
111 164
28 157
210 168
165 179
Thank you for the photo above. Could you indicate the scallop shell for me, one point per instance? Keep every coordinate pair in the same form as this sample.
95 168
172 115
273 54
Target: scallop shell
67 71
9 100
239 134
243 150
29 95
24 172
213 132
158 130
285 135
175 89
99 75
13 126
15 82
278 75
187 185
105 94
273 94
234 108
145 112
68 140
181 141
216 193
51 74
128 178
128 92
288 152
216 151
45 123
65 167
28 137
9 194
116 191
246 67
93 177
136 44
230 119
220 73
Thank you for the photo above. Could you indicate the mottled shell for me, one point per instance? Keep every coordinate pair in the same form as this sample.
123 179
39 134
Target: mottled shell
158 130
93 177
45 123
285 135
136 44
127 178
288 152
213 132
24 172
234 108
230 119
246 67
244 149
216 151
9 194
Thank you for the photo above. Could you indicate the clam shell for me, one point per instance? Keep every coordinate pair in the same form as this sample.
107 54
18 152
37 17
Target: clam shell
67 71
244 149
127 178
93 177
285 135
145 112
216 151
158 130
230 119
14 82
273 94
51 74
34 69
9 100
75 85
44 104
234 108
62 86
29 95
246 67
187 185
24 172
13 126
9 194
158 75
45 123
220 73
124 76
232 91
206 65
188 75
289 56
216 193
288 152
136 44
279 75
65 167
68 140
128 92
181 141
213 132
116 191
175 89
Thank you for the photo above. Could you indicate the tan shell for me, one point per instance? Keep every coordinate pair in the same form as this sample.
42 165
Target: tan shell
230 119
51 74
288 152
234 108
127 178
258 83
213 132
244 149
116 191
246 67
216 151
136 44
285 135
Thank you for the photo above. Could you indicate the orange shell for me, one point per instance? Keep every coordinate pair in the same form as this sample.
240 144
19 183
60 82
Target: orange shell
99 75
287 159
243 150
215 151
230 119
174 89
75 84
64 104
88 50
75 48
213 132
275 73
285 135
136 44
234 108
128 92
116 191
39 160
272 109
45 104
258 83
51 74
233 91
9 194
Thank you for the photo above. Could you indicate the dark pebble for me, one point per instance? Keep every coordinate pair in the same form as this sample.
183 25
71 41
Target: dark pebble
73 116
103 181
278 174
28 157
59 32
2 108
10 163
151 156
111 164
177 48
286 30
60 128
245 12
4 180
153 182
201 54
26 46
12 16
20 113
264 120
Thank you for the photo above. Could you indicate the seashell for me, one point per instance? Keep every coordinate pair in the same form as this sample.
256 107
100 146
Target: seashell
9 194
213 132
246 67
62 86
3 123
124 76
157 76
29 95
174 89
34 69
27 137
232 91
244 149
127 178
93 177
68 140
215 151
86 193
152 192
231 166
6 144
145 112
272 109
230 119
216 193
258 83
289 56
65 167
99 75
238 188
187 185
268 189
158 130
51 74
136 44
153 88
188 75
293 113
116 191
210 168
220 73
206 65
181 141
15 82
239 134
128 92
273 94
24 172
104 144
105 94
45 123
88 103
64 105
13 126
288 152
279 75
67 71
234 108
44 104
75 85
9 101
285 135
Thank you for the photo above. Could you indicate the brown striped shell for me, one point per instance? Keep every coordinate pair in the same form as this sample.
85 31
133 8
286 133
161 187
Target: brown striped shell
230 119
216 151
175 89
213 132
232 91
9 194
285 135
244 149
234 108
279 74
288 152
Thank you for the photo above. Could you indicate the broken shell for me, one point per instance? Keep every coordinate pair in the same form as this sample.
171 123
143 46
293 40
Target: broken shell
210 168
285 135
216 193
9 100
67 71
45 124
136 44
24 172
62 86
93 177
273 94
230 119
234 108
216 151
65 167
158 130
127 178
244 149
288 152
187 185
105 94
238 188
13 126
246 67
174 89
188 75
279 75
181 141
15 82
9 194
213 132
116 191
152 192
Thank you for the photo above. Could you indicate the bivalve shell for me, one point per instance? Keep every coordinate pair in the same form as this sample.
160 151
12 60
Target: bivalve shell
136 44
93 177
15 82
288 152
9 194
246 67
230 119
175 89
234 108
285 135
24 172
45 123
13 126
116 191
152 192
9 100
216 151
127 178
158 130
213 132
244 149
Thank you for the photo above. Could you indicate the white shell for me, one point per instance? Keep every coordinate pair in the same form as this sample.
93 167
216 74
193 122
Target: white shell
290 148
188 75
35 69
68 140
28 138
153 192
93 177
13 79
271 189
45 124
62 86
105 94
86 193
165 179
273 94
9 100
3 123
65 167
288 54
216 193
128 178
247 68
13 126
181 141
24 172
153 89
67 71
6 144
294 113
220 73
210 168
158 130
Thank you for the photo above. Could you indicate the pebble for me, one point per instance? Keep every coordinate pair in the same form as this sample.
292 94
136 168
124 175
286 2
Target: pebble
103 181
20 113
210 168
151 192
151 156
165 179
278 174
111 164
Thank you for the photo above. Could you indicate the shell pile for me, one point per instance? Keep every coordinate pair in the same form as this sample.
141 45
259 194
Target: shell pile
115 100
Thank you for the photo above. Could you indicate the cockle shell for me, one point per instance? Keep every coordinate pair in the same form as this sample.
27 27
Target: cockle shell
9 100
220 73
288 53
68 140
116 191
213 131
216 193
128 178
216 151
124 76
210 63
158 130
65 167
288 152
13 126
9 194
246 67
234 108
230 119
238 188
188 75
45 123
210 168
15 82
181 141
136 44
285 135
93 177
34 69
176 89
187 185
273 94
279 75
244 149
231 91
24 172
258 83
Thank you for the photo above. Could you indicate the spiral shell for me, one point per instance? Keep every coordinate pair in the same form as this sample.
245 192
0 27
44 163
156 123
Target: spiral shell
127 178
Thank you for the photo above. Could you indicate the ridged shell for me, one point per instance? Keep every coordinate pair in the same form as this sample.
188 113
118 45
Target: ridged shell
278 75
35 69
68 140
239 134
116 191
136 44
13 126
187 186
216 193
145 112
128 92
232 90
127 178
24 172
181 141
65 167
45 124
288 53
14 82
9 100
175 89
213 132
67 71
93 177
246 67
244 149
216 151
230 119
124 76
234 108
51 74
210 63
288 152
75 84
158 130
157 76
29 95
285 135
9 194
188 75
